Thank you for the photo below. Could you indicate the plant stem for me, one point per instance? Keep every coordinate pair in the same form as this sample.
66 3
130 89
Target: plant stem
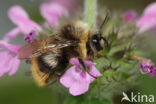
90 12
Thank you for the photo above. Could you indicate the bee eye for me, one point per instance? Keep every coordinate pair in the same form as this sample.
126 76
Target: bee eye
95 41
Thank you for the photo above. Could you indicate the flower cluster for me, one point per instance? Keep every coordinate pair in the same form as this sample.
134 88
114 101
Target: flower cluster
24 24
51 11
129 16
148 67
9 61
146 22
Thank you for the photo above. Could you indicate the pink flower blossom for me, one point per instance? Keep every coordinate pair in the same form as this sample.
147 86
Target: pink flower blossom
76 79
148 67
68 4
8 58
52 12
148 20
129 16
24 24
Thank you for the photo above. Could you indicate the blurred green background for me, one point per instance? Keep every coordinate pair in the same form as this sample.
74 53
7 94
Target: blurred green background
21 88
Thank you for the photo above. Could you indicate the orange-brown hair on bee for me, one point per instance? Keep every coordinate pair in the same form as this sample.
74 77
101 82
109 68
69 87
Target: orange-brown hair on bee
39 76
50 57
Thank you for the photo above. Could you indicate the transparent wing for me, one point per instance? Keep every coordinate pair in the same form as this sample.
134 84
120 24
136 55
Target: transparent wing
37 48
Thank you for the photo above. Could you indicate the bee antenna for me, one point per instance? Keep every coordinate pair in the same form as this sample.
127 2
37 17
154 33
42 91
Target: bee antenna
104 21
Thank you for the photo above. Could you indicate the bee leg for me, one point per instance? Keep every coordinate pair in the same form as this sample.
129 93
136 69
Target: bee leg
28 61
51 83
82 64
91 75
58 74
85 68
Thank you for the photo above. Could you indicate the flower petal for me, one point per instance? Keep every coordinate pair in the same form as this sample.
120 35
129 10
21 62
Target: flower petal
94 71
11 35
148 20
17 14
52 12
129 16
79 88
9 47
69 77
74 61
89 63
6 65
153 72
71 5
3 57
15 66
21 19
81 84
150 9
9 63
28 25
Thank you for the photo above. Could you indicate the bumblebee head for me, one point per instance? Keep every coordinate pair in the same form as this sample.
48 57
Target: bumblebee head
97 42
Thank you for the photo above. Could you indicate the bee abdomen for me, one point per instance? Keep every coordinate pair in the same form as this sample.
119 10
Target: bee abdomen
40 77
47 62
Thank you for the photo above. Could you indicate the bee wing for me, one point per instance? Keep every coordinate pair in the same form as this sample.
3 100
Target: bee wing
37 48
27 51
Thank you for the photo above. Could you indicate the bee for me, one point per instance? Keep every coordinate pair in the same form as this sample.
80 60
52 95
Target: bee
50 56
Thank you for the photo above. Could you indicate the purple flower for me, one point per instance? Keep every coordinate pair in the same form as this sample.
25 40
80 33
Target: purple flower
52 11
129 16
71 5
148 67
24 24
148 20
78 80
8 58
29 38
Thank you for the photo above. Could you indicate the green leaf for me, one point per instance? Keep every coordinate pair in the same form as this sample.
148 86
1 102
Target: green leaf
84 100
99 101
101 62
109 73
106 51
75 100
112 37
119 54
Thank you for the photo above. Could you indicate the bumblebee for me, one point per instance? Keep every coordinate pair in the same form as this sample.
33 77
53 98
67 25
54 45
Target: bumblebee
50 56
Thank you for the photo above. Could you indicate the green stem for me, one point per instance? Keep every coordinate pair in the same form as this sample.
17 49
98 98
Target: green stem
90 12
